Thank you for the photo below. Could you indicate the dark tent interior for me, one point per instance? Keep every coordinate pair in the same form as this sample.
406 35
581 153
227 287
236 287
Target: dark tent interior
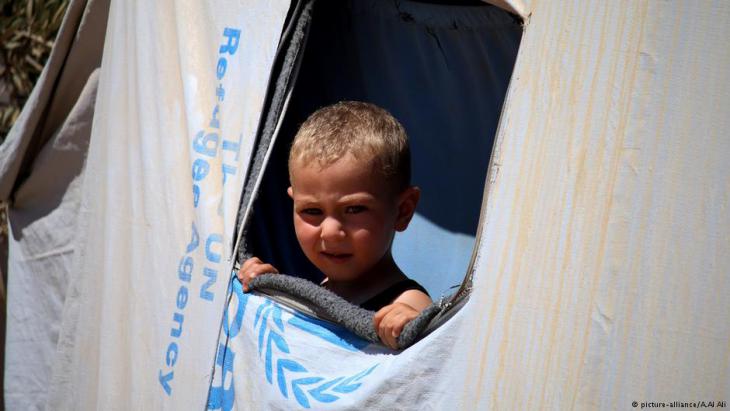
442 71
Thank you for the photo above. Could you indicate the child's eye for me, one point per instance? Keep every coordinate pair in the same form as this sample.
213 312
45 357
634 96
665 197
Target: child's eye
311 211
356 209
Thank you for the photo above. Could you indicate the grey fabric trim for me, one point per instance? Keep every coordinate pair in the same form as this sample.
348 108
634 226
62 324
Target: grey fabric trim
331 307
323 302
284 82
414 330
449 307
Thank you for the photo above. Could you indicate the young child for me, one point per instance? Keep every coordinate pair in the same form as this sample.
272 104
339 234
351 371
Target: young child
349 168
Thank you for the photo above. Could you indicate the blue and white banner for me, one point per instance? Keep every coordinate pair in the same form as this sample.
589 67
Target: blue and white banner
273 357
180 95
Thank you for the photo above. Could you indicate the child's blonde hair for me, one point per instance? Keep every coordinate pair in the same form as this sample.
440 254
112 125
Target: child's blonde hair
364 130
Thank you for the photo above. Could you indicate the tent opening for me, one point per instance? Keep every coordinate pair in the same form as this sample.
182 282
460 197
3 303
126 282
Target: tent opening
443 72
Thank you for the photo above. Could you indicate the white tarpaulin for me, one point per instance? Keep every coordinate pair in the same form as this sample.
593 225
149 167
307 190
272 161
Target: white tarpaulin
273 357
178 103
180 95
41 164
601 276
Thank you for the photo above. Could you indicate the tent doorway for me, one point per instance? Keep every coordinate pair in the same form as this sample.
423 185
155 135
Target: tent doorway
442 71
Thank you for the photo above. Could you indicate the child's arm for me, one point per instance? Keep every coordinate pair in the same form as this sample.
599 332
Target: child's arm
390 320
251 268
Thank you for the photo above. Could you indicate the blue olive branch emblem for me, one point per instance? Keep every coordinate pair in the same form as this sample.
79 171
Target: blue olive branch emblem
308 387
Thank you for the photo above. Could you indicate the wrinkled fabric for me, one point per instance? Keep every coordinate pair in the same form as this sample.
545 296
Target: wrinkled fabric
600 270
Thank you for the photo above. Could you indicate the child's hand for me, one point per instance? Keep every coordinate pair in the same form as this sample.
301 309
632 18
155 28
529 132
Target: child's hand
390 320
251 268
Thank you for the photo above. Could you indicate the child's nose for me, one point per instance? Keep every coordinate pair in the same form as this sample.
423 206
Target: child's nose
332 229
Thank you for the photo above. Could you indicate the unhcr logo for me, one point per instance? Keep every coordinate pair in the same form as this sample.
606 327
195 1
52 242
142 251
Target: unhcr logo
205 146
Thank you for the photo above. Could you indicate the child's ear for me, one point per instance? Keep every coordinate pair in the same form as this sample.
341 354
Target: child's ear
407 202
290 192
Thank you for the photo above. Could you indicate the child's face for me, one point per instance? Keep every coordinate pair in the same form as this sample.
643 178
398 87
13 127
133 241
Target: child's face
345 216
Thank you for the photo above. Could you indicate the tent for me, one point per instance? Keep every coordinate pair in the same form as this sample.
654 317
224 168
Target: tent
598 272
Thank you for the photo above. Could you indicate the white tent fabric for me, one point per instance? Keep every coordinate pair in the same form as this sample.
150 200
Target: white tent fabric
273 357
602 271
180 95
40 166
601 276
144 269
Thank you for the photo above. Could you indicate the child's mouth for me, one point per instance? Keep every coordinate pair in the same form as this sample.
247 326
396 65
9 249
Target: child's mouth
336 257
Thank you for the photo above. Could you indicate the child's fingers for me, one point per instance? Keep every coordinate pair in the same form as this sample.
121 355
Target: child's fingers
378 322
399 320
257 271
386 336
380 314
250 263
263 269
390 320
398 327
386 325
245 268
405 316
252 268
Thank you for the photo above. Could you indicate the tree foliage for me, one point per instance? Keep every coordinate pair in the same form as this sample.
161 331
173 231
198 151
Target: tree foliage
27 31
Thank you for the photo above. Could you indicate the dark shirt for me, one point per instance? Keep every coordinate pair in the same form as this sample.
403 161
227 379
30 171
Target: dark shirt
387 296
